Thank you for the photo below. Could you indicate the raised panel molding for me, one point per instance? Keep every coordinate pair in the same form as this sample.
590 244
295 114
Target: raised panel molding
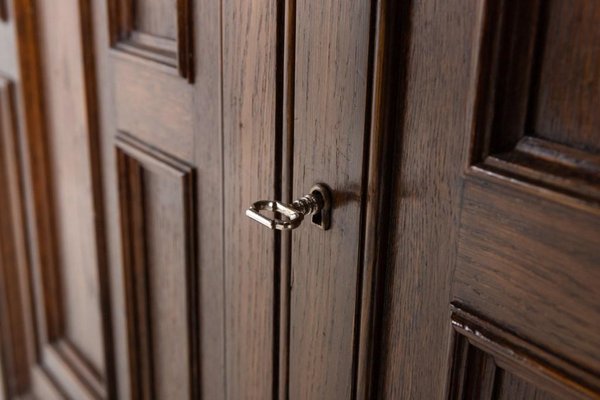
174 52
160 271
488 362
505 104
59 364
13 258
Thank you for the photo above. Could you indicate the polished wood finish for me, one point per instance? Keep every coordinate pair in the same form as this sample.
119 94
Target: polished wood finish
162 173
428 159
331 123
460 143
13 260
158 30
249 140
568 93
496 205
67 347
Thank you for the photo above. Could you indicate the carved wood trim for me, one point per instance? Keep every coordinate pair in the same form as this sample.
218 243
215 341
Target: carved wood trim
557 167
177 54
481 350
503 145
134 158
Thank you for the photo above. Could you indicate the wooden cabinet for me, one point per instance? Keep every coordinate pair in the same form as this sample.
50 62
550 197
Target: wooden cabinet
495 205
460 142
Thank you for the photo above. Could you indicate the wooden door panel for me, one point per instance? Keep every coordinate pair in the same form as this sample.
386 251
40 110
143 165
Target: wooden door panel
69 282
157 202
330 125
162 173
250 143
568 94
532 264
13 256
141 111
528 245
77 273
489 363
499 205
153 138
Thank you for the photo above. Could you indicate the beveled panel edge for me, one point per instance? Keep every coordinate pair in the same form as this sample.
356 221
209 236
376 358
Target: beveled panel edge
176 54
69 369
524 359
151 156
502 146
14 335
133 156
42 290
557 168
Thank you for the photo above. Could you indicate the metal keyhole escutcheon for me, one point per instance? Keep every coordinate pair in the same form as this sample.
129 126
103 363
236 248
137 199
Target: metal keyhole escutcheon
317 204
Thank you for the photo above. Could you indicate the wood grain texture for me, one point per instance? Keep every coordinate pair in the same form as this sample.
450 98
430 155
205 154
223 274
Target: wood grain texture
249 104
512 387
429 155
73 317
387 50
532 265
158 199
160 31
526 214
568 86
287 60
3 11
488 361
34 156
141 104
3 392
330 112
572 174
155 17
182 120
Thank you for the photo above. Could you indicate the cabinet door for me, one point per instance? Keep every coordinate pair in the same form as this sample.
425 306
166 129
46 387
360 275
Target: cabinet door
111 157
328 136
158 73
154 124
493 287
54 334
297 115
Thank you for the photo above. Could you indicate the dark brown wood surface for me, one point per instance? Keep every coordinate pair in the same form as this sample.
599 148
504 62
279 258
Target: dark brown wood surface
569 77
429 156
331 121
496 205
49 310
13 254
249 98
460 141
148 95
